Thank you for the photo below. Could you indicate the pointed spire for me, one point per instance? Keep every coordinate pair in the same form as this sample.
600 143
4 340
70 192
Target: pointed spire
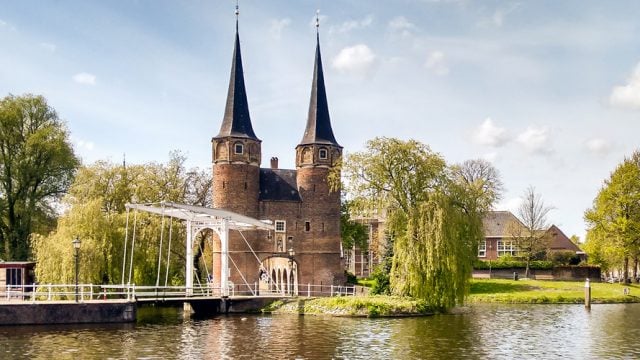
318 129
236 121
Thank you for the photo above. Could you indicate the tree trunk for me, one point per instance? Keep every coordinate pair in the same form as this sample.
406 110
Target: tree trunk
625 271
635 268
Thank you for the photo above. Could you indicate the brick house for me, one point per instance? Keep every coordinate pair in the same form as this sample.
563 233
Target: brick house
361 262
305 247
500 242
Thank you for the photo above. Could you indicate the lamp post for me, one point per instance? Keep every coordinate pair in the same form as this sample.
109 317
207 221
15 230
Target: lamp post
76 248
291 277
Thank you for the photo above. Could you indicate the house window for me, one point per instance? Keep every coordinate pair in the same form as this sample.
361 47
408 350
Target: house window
323 154
14 276
238 148
307 226
506 248
482 249
280 226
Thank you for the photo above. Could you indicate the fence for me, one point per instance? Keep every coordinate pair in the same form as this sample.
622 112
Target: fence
131 292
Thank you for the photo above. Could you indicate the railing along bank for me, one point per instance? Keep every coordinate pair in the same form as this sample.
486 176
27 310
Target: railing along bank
132 292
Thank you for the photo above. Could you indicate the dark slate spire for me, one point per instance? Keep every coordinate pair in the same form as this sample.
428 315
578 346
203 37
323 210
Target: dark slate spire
237 121
318 129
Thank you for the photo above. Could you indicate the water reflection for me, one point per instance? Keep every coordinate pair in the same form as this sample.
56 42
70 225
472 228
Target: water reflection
481 332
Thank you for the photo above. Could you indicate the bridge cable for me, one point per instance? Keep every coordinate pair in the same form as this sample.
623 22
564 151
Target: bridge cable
160 250
242 276
166 276
133 242
124 255
257 258
204 262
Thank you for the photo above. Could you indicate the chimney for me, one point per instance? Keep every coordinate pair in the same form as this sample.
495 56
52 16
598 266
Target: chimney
274 162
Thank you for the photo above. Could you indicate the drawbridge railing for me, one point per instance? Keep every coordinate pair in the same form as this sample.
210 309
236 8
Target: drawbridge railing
132 292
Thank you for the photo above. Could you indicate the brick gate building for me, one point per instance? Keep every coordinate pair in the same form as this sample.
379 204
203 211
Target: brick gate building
305 246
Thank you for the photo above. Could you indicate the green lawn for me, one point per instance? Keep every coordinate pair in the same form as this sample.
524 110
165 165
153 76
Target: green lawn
544 291
371 306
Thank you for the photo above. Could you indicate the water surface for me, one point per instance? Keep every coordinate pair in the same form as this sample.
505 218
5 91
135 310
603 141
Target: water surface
479 332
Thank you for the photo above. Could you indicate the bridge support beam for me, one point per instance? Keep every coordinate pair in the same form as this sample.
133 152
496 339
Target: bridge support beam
224 255
189 262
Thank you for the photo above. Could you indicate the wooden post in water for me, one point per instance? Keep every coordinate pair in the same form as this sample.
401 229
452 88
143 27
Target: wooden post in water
587 294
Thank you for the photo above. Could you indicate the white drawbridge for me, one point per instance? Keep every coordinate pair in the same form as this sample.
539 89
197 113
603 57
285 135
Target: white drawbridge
198 218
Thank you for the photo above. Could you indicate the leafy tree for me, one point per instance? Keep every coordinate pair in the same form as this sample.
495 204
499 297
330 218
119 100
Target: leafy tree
382 271
532 240
352 232
37 165
576 240
97 215
613 236
482 184
434 216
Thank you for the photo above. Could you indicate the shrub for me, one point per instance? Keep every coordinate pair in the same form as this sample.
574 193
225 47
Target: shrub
351 279
511 263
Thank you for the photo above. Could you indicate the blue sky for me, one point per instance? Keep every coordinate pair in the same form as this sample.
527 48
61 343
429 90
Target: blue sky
548 91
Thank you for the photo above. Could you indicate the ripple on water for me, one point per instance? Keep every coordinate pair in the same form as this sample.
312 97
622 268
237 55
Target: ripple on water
484 332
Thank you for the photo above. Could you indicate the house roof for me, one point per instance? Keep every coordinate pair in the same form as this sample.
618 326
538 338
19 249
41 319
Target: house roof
236 121
560 241
496 223
318 130
279 185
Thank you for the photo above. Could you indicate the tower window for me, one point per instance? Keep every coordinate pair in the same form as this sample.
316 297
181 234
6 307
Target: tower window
322 154
280 226
307 226
238 149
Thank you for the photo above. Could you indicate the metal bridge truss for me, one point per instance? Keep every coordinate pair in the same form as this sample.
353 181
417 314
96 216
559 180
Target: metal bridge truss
198 218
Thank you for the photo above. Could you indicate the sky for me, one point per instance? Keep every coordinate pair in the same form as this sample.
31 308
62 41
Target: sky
548 91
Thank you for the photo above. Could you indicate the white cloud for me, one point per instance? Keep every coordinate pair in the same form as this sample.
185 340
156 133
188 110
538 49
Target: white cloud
401 25
4 24
628 96
490 134
82 145
84 78
511 204
491 156
498 16
536 140
347 26
48 46
357 59
598 146
437 63
277 25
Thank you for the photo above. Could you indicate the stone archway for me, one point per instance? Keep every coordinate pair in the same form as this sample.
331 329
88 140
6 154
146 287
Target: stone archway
283 275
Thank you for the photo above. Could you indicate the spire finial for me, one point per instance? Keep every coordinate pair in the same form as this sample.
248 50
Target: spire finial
317 19
237 14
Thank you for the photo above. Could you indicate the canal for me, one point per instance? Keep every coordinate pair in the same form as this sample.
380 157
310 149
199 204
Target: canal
478 332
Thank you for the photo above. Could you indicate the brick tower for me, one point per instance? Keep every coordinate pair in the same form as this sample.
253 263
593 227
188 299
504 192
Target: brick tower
316 156
236 149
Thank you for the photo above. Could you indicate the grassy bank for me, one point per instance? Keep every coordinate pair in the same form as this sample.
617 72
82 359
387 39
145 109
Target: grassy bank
548 292
369 306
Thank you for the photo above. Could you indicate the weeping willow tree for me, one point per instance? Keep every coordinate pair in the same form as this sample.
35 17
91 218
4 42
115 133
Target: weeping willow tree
96 214
434 214
434 254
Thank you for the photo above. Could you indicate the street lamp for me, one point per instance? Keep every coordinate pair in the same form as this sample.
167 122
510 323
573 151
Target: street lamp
291 277
76 248
291 255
